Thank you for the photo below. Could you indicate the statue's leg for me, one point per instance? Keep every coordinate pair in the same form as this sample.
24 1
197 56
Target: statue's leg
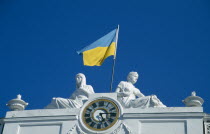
142 102
61 103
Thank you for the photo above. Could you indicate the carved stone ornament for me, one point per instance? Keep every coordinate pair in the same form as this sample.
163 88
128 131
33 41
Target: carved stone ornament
17 104
75 130
208 129
122 128
193 100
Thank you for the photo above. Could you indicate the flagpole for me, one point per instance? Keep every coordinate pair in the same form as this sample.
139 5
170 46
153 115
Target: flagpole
114 59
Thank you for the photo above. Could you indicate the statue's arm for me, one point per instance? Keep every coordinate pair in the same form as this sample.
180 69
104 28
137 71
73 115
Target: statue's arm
87 90
120 90
138 93
90 89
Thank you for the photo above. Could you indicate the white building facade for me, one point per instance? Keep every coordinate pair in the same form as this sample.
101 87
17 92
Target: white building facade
103 113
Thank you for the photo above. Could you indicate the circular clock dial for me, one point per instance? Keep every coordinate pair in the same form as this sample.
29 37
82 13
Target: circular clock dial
100 114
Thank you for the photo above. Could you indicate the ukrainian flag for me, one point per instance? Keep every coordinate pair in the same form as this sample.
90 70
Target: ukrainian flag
98 51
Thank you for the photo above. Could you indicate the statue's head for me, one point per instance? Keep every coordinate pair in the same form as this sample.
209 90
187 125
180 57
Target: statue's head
80 79
132 77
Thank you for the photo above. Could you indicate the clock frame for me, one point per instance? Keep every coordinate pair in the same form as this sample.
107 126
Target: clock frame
100 114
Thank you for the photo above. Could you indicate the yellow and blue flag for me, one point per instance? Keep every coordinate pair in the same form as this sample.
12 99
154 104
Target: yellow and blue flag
98 51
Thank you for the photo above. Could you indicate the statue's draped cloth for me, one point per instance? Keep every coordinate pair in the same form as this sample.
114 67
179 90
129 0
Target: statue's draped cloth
75 101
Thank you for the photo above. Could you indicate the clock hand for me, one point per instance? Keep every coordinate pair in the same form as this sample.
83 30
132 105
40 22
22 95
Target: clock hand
101 116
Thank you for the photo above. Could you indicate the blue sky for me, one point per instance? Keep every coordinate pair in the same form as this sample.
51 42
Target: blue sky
166 42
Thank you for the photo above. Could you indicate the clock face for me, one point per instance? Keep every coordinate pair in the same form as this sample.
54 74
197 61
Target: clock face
100 114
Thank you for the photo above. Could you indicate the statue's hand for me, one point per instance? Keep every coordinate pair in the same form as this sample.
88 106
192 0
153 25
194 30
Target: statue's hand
125 94
82 88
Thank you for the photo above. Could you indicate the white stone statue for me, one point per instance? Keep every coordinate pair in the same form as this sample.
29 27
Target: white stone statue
130 96
77 99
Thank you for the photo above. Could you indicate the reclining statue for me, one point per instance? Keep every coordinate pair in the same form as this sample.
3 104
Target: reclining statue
130 96
77 99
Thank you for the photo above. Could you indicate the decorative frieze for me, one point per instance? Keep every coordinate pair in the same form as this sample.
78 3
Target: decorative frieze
207 128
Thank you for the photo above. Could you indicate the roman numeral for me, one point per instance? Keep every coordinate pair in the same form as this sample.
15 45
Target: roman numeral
94 105
101 103
113 114
89 110
92 124
88 120
107 104
105 124
110 120
98 126
87 115
112 109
